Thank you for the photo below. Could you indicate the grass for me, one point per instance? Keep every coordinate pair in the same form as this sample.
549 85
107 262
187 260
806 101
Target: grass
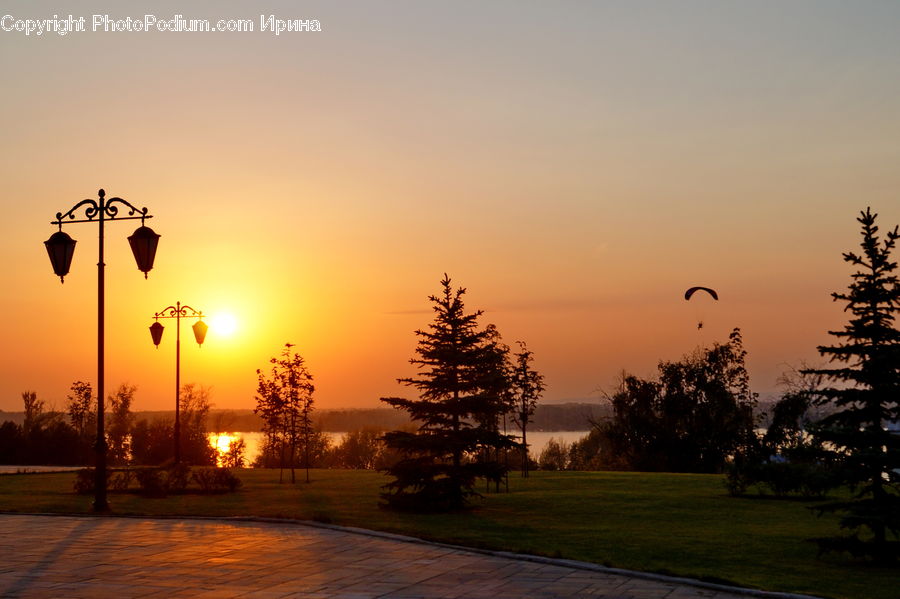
681 524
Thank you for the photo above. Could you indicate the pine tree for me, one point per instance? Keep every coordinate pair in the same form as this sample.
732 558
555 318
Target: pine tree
462 387
865 392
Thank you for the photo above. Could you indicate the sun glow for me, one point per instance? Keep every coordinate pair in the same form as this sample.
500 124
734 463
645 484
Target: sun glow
222 444
224 324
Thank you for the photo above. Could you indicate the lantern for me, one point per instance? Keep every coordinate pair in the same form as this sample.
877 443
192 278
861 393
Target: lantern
143 245
200 329
156 331
61 248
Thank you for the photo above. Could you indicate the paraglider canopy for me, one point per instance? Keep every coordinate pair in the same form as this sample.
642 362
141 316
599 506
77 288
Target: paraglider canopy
692 290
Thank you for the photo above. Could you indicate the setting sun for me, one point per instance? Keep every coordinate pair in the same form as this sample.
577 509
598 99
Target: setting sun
223 324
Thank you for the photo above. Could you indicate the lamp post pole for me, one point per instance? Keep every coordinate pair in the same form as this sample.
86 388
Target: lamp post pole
156 330
61 248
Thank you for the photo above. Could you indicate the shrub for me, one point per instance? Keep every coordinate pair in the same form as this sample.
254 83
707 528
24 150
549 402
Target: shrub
84 481
150 482
177 476
781 478
555 455
216 480
120 481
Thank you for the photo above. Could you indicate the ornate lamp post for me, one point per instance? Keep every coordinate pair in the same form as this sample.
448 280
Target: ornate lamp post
61 248
156 331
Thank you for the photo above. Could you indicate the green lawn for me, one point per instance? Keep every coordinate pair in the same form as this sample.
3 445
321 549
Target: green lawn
680 524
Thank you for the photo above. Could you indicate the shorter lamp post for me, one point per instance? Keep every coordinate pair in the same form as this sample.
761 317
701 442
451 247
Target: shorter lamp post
156 331
61 248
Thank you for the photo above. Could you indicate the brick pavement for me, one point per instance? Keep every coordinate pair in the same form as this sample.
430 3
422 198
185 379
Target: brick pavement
75 557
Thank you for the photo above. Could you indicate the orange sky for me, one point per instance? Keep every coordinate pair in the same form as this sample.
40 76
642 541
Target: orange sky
575 165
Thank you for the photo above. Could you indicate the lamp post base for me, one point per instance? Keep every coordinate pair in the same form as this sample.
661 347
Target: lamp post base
100 508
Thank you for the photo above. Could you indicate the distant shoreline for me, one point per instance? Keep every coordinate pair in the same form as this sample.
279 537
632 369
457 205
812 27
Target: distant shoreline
547 418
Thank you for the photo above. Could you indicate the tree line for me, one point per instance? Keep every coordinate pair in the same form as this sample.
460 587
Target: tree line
68 438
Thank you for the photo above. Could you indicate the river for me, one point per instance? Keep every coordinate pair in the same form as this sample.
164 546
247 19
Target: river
537 440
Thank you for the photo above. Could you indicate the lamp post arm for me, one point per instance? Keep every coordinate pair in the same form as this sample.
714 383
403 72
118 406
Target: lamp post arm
92 211
178 312
112 210
188 311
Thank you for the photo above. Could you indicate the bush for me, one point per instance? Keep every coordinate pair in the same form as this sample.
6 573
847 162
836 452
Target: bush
360 449
159 482
781 478
120 481
216 480
150 482
555 455
177 477
84 481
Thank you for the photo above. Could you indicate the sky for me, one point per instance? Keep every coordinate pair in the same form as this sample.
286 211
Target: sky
574 165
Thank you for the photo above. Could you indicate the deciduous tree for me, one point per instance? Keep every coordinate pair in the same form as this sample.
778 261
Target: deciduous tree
80 407
526 387
697 413
34 411
196 449
118 430
284 399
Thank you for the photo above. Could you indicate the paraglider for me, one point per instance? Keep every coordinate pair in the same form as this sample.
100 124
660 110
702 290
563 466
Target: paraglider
692 290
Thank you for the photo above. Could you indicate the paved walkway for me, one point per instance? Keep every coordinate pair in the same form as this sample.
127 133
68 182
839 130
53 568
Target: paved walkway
73 557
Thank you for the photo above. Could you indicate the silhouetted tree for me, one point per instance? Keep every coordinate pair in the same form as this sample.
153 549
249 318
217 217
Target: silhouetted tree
555 455
866 395
462 389
235 456
363 449
118 429
52 443
284 400
497 402
34 411
11 443
691 419
786 460
43 438
83 417
359 450
270 455
196 449
151 441
526 386
80 407
586 452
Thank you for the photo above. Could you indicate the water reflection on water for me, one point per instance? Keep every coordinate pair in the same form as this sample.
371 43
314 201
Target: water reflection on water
537 441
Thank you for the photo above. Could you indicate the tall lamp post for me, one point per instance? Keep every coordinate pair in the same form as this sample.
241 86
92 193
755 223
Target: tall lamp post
156 330
61 248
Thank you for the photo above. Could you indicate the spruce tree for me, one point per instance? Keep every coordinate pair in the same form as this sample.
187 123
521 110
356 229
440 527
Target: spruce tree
865 392
462 385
